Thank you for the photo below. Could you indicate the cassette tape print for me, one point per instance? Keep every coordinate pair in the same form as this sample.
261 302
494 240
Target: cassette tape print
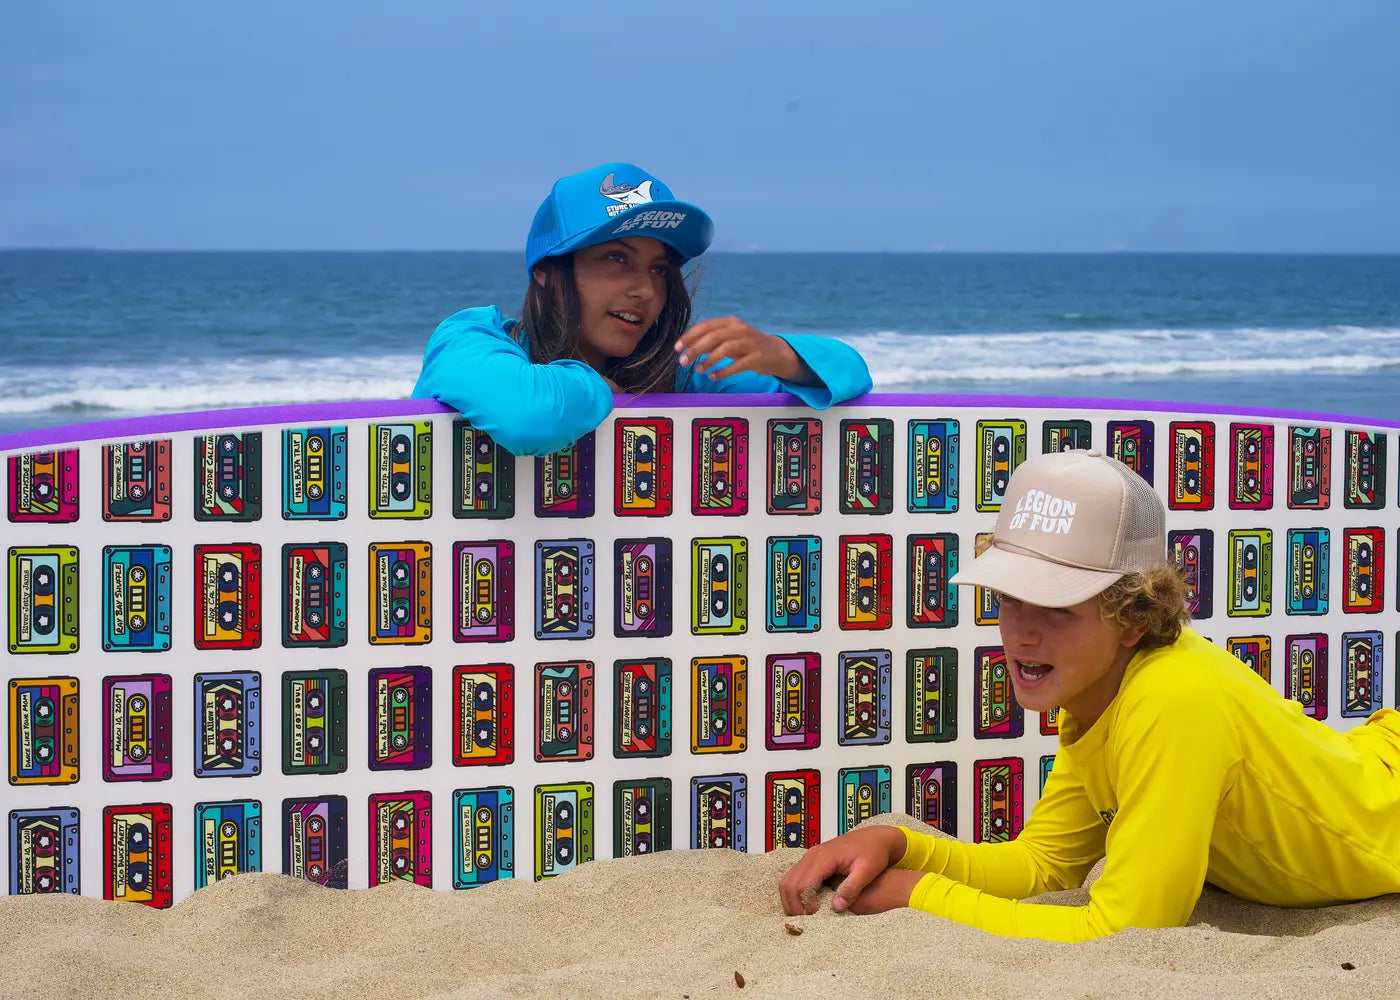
401 838
563 828
1251 573
794 701
1131 442
483 835
867 466
865 792
136 723
1308 556
400 718
1362 674
1251 466
933 562
227 724
642 595
719 704
484 585
1047 764
227 840
794 808
999 715
932 794
314 474
564 711
1193 552
564 607
136 481
719 812
794 484
314 722
642 708
794 583
1050 722
720 479
1254 651
719 601
933 466
1193 465
1306 679
484 714
44 487
998 788
228 596
642 453
136 854
932 686
43 731
1309 468
1001 447
1365 470
867 583
864 680
483 475
315 841
1065 435
228 476
564 480
400 593
43 851
401 470
641 816
314 602
43 599
1364 589
135 598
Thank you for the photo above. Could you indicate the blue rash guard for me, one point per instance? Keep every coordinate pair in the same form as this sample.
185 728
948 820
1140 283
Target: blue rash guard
474 364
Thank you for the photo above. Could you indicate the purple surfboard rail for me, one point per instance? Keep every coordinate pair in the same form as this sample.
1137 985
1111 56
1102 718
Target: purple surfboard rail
314 413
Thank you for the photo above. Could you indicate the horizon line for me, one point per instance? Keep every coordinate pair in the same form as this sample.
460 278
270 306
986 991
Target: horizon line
710 253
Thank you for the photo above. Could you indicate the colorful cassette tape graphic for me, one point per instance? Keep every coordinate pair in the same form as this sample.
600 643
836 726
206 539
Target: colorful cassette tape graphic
1362 673
44 855
228 476
564 480
483 835
720 479
794 484
1308 557
400 718
401 470
1050 722
1193 552
864 792
794 808
719 812
43 731
1001 447
564 711
719 704
1306 679
1065 435
1363 591
315 840
933 562
1193 465
1251 466
1365 470
43 599
135 598
563 828
998 790
483 583
642 708
642 453
642 592
1251 573
931 792
315 476
136 727
999 716
932 687
794 583
401 838
400 593
1254 651
483 475
1131 442
44 487
1309 468
986 606
136 481
865 683
227 840
564 605
794 701
228 596
641 816
719 603
136 854
314 722
933 466
314 601
867 466
867 583
484 714
1047 764
227 724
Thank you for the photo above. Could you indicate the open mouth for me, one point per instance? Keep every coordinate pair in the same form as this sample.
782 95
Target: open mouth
630 318
1030 672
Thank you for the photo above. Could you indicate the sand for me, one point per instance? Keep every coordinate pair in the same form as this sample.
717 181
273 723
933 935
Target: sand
677 924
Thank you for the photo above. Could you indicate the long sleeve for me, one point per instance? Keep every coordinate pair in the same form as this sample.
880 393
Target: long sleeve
838 365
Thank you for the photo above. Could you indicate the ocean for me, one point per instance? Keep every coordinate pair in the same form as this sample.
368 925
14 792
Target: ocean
92 335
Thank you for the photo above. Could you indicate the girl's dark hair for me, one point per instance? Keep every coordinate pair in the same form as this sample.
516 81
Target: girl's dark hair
549 326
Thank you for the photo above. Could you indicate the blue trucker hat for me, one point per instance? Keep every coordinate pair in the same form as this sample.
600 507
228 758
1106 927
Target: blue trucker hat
611 201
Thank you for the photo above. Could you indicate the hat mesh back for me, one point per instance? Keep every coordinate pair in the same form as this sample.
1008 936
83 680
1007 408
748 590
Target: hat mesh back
546 228
1142 534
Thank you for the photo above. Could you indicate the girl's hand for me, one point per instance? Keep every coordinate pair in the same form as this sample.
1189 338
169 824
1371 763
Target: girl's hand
863 857
747 349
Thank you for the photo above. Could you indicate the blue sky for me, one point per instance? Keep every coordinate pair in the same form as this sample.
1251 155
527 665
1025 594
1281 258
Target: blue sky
816 125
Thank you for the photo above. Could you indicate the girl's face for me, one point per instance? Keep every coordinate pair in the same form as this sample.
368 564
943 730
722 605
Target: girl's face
621 291
1068 657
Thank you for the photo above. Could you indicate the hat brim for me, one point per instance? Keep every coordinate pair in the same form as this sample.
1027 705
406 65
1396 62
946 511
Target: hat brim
689 235
1035 581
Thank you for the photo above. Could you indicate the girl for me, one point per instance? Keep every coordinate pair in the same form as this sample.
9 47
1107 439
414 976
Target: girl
606 311
1177 763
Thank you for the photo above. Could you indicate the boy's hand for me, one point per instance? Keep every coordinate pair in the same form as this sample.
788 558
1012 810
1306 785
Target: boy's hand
862 857
747 349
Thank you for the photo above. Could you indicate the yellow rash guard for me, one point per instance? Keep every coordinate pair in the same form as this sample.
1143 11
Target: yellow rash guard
1198 772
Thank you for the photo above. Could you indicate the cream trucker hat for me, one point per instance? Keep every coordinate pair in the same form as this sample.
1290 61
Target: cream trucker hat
1071 524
